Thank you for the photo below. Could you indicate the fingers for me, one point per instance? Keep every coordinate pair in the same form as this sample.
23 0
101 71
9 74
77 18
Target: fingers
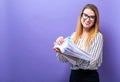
57 50
60 40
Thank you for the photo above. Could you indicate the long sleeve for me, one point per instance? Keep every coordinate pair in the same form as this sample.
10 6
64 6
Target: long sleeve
61 58
95 51
65 59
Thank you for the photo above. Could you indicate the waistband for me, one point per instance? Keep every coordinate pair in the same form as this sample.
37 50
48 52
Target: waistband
86 70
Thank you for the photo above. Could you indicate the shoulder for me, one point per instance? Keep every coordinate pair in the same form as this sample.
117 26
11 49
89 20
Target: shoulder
100 34
98 37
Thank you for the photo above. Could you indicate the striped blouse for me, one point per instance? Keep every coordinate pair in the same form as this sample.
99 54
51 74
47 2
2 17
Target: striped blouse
95 50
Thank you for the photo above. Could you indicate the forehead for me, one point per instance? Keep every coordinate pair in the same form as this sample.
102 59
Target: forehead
89 11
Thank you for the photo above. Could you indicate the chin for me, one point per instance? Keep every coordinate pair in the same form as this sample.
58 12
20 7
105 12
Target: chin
86 26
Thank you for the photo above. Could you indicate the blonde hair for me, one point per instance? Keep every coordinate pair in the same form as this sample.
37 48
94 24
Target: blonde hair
93 30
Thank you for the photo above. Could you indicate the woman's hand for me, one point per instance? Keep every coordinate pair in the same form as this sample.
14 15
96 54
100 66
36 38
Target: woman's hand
59 41
57 50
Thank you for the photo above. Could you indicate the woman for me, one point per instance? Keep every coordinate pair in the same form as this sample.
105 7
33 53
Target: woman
89 39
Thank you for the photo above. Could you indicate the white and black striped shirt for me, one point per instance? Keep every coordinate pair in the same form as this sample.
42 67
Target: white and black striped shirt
95 50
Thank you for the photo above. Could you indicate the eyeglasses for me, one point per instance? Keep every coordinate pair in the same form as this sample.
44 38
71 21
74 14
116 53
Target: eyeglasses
85 16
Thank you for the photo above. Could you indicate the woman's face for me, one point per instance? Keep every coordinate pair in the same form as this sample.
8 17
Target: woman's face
88 18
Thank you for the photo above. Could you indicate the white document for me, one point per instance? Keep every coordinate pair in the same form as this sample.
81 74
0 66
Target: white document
69 48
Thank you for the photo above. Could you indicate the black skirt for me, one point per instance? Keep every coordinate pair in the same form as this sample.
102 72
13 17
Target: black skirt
84 76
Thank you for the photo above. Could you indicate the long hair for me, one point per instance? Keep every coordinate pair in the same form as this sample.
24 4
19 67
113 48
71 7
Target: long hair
93 30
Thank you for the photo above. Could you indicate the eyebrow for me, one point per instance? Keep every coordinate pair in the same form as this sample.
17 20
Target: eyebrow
88 14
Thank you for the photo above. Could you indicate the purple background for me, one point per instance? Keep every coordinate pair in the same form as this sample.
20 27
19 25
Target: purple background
28 29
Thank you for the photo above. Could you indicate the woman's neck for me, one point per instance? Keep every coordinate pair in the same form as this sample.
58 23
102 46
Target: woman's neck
85 32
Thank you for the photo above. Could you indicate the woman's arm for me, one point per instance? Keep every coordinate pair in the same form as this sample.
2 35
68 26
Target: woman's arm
95 51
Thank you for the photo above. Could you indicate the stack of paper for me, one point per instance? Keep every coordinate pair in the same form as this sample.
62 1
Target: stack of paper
69 48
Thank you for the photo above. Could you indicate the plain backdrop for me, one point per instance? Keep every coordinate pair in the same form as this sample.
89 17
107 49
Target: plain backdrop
28 29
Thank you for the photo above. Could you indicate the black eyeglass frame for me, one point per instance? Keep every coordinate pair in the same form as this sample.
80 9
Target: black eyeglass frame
86 16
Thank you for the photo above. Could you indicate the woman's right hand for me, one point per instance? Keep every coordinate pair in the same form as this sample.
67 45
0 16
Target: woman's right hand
60 40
